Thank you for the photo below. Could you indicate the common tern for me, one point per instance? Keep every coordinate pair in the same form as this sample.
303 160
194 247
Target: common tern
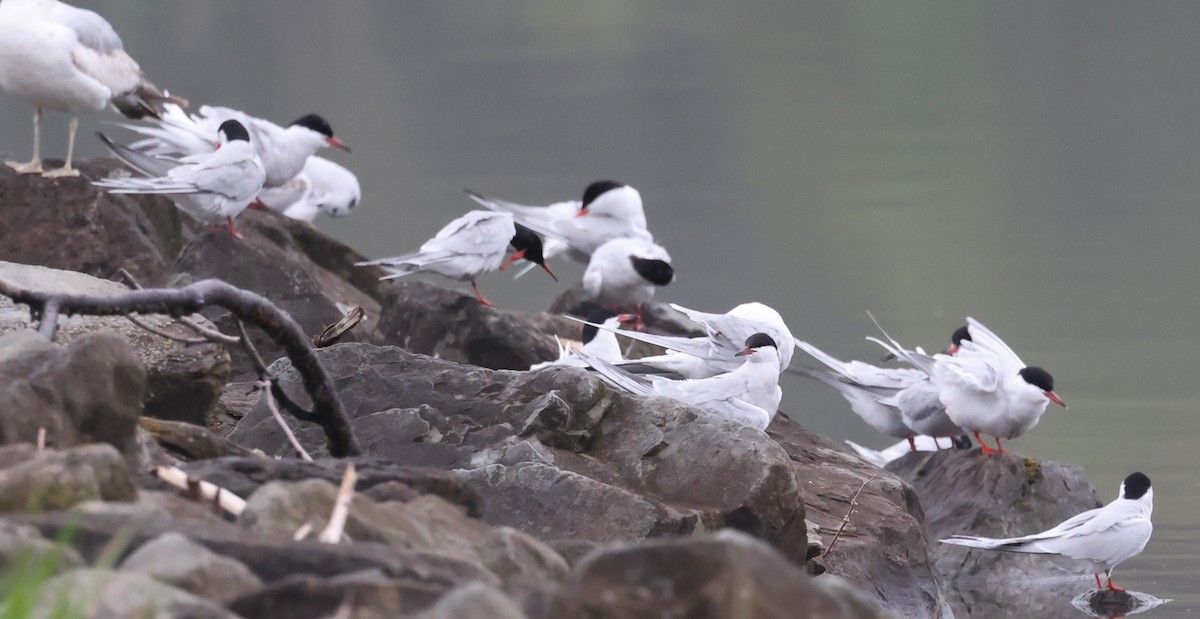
609 210
881 457
987 389
1093 542
62 58
713 353
625 272
750 394
284 150
468 247
598 342
210 187
322 186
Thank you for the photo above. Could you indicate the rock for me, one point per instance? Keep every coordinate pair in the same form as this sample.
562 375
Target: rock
152 504
182 381
190 442
556 454
727 574
424 318
372 594
174 560
378 478
967 493
659 317
1110 603
32 481
22 547
884 549
474 600
66 223
117 595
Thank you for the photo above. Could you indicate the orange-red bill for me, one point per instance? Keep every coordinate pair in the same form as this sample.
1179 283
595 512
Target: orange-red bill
582 212
547 269
1054 398
745 351
337 143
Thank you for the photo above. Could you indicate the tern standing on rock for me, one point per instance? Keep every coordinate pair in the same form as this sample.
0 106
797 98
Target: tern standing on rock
1094 542
625 272
468 247
210 187
66 59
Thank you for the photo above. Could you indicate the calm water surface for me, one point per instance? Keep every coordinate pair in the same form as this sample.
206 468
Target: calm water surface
1031 164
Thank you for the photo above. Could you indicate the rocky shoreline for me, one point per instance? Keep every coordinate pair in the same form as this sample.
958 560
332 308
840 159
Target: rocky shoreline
482 490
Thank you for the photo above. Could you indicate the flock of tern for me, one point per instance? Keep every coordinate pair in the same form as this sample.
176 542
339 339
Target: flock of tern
217 162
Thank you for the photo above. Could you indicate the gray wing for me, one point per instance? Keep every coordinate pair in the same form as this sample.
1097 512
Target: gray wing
227 173
91 30
477 232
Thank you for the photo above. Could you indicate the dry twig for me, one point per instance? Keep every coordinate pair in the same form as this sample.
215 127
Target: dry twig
201 490
846 519
341 508
265 386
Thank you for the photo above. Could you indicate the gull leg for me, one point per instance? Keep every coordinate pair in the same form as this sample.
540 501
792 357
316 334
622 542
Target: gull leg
987 451
479 296
35 165
67 170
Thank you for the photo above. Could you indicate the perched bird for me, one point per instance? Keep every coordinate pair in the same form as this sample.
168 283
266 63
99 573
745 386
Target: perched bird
468 247
322 186
209 187
609 210
284 150
750 394
66 59
599 341
987 389
625 272
1093 542
711 354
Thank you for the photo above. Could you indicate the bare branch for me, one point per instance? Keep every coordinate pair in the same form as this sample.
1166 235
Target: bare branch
846 519
256 359
265 385
209 335
341 508
159 332
200 489
245 305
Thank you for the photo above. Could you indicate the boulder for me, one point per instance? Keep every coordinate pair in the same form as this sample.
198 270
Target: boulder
182 382
473 600
66 223
555 453
105 594
371 594
967 493
884 550
423 318
22 548
658 316
727 574
33 481
174 560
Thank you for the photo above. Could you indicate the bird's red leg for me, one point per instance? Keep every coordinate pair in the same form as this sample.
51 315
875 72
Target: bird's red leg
479 295
638 325
912 443
258 204
214 228
987 451
233 231
999 447
1099 585
1111 586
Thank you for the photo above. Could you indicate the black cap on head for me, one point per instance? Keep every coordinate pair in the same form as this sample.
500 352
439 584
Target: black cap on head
596 189
1038 378
657 272
316 123
598 315
234 130
758 340
530 241
1135 486
961 334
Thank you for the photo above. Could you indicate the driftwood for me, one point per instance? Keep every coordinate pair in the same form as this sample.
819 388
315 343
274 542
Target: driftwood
247 306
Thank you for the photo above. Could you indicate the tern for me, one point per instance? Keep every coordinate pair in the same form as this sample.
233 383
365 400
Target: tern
609 210
750 394
1093 542
322 186
713 353
599 341
468 247
62 58
882 457
625 272
284 150
209 187
987 389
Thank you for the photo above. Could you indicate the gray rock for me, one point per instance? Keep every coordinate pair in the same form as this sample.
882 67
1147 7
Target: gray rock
32 481
556 454
173 559
22 547
105 594
884 550
372 595
727 574
965 492
183 381
474 600
658 316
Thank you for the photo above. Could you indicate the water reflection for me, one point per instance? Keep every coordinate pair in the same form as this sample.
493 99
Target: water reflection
1115 604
